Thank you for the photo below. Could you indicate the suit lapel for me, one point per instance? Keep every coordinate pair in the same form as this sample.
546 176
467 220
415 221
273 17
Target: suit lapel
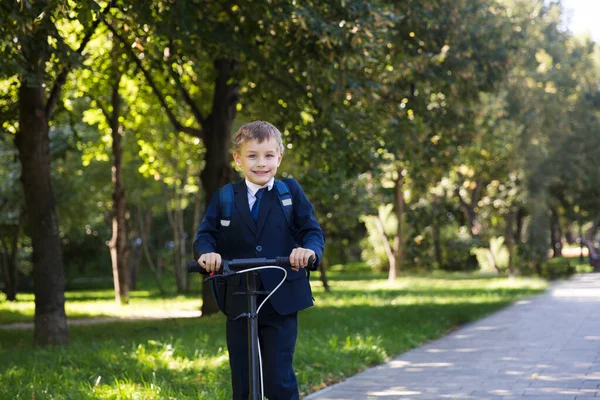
241 203
265 208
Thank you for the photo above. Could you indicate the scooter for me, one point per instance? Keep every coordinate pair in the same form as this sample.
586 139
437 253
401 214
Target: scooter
246 265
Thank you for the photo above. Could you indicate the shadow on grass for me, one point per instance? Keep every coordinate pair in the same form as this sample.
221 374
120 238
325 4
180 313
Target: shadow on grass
91 295
370 275
12 316
186 358
390 294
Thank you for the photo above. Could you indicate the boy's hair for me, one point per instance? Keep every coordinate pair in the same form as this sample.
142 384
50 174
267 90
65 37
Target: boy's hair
259 131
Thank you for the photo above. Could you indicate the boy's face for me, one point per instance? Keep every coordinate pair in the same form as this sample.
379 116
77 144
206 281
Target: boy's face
259 160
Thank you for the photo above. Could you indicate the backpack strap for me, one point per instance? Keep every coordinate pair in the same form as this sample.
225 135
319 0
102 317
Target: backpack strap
283 192
285 198
226 195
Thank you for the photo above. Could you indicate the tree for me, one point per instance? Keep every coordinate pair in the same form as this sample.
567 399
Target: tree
30 41
217 53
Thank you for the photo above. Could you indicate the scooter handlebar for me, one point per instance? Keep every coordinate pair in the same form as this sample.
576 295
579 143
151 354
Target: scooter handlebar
244 263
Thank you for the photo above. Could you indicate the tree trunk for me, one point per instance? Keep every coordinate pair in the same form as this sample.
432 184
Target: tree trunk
174 207
555 233
520 218
510 241
323 276
475 226
591 233
569 234
398 238
118 242
48 269
491 260
179 249
217 171
9 262
388 249
198 212
134 257
581 239
144 221
323 269
437 245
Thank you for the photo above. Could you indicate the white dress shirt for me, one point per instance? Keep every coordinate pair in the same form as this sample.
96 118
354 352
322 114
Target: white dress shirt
253 188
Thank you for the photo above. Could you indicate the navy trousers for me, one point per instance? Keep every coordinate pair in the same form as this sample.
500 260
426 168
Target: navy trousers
277 337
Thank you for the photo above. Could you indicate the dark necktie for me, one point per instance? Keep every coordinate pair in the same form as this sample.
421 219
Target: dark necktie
256 205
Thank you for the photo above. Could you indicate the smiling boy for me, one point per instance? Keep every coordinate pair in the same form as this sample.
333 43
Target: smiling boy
259 228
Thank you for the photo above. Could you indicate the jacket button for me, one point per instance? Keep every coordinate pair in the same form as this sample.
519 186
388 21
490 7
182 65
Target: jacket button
258 248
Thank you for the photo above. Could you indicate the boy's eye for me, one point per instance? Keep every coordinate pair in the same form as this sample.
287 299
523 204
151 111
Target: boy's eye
251 156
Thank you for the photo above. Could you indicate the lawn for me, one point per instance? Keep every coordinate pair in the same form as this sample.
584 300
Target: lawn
363 321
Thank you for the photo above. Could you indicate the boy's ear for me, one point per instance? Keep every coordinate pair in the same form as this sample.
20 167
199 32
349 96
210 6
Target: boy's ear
279 158
236 157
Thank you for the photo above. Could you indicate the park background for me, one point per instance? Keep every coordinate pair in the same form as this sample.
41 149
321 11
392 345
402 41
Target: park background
449 149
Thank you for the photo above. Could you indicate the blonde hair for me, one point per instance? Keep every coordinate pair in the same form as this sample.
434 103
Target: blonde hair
259 131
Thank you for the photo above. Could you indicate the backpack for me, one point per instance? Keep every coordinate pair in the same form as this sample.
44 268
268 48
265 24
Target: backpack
226 197
283 192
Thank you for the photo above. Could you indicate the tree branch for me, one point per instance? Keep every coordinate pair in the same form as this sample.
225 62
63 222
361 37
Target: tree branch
186 96
62 76
178 125
476 193
104 110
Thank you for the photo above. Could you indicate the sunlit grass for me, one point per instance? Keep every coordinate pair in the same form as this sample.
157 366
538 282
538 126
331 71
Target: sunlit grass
100 303
358 324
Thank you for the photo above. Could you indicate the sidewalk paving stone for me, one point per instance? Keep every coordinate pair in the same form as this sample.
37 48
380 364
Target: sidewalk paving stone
546 347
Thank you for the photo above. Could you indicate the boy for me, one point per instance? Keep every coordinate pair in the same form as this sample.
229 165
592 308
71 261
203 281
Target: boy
258 228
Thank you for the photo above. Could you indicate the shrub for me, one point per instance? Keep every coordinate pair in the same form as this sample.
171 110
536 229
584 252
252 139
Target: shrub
557 268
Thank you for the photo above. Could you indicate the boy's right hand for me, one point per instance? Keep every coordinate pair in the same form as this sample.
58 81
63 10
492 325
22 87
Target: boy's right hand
211 262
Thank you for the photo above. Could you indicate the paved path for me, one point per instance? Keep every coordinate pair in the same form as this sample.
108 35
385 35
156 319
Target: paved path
546 347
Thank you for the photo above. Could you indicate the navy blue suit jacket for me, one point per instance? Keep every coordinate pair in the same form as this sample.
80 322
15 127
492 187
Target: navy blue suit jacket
269 237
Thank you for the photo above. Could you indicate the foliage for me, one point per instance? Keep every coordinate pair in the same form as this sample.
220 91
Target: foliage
457 252
493 258
557 268
373 247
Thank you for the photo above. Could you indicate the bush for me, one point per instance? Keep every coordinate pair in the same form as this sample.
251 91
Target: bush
458 257
493 258
557 268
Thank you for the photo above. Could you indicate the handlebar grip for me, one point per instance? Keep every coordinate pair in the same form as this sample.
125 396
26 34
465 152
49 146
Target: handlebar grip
193 266
311 263
285 262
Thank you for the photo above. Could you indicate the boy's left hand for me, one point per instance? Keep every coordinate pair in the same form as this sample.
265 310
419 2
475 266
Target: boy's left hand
299 257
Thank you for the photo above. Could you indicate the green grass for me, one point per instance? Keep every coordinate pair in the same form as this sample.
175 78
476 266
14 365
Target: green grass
362 322
100 303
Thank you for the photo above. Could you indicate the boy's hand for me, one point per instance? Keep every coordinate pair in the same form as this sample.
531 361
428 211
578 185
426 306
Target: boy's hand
210 261
299 257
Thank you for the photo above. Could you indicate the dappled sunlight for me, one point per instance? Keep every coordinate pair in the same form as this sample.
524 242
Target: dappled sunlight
394 391
154 354
417 284
589 294
408 300
101 303
419 290
128 390
583 287
486 328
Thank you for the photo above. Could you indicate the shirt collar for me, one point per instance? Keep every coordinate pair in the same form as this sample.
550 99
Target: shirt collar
253 187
